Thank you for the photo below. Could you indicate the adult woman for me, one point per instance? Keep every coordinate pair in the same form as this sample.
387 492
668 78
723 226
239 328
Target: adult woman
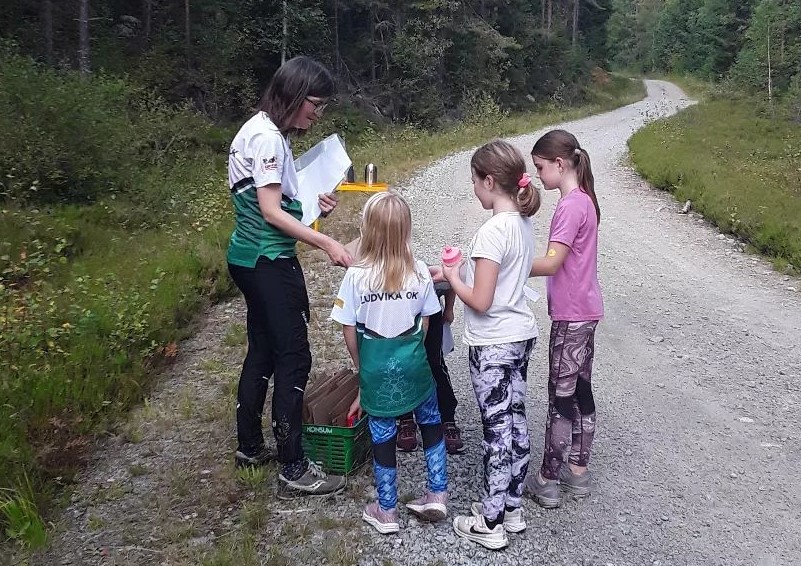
263 264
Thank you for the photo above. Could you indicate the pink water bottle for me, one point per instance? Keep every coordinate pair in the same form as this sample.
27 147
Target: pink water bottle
451 255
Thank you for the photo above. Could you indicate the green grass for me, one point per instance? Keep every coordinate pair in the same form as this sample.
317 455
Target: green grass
741 171
94 298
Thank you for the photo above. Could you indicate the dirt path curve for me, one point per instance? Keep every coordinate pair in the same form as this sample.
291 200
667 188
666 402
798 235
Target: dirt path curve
698 373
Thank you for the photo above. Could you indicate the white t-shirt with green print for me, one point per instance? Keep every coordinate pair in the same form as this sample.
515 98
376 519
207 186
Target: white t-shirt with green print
260 155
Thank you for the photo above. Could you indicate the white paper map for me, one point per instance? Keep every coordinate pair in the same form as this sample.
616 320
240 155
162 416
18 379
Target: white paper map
320 170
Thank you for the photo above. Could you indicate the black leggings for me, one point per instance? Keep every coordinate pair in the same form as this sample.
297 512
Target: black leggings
445 397
278 346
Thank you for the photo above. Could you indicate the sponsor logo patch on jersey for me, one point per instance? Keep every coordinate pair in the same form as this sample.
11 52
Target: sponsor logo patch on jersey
339 303
269 163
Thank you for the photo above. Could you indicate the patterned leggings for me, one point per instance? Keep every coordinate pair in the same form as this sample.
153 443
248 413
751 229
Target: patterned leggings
498 373
570 426
383 431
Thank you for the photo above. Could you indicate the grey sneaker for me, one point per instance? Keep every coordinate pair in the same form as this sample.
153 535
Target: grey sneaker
313 482
475 528
575 484
543 491
385 522
513 521
253 459
430 507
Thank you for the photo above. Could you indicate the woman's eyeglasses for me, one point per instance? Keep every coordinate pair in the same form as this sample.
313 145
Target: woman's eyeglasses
319 106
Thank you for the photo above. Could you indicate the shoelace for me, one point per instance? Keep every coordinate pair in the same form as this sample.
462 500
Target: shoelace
316 471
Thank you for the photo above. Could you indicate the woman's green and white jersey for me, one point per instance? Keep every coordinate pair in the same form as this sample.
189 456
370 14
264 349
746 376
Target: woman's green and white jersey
394 375
260 155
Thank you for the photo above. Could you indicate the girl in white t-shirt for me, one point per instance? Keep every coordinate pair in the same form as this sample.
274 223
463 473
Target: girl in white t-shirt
383 305
500 331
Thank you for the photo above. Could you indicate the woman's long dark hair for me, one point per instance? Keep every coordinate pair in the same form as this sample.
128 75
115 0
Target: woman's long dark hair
295 80
559 143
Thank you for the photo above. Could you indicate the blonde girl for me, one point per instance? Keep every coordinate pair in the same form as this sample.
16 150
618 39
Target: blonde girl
575 306
383 305
500 331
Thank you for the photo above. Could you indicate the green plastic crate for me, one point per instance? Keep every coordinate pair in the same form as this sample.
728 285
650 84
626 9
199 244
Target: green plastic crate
338 449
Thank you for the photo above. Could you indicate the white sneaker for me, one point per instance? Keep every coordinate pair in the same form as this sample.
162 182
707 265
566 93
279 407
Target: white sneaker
475 529
513 521
385 522
430 507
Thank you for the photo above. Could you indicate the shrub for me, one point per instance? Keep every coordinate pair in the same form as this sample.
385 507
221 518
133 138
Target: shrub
77 139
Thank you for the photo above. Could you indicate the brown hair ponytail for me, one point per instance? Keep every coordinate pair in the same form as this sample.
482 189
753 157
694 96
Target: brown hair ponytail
559 143
505 164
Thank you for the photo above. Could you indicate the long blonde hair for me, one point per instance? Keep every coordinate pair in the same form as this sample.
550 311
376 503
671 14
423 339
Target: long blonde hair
386 242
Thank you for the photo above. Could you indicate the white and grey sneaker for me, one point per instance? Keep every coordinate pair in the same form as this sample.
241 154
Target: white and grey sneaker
475 529
513 521
314 481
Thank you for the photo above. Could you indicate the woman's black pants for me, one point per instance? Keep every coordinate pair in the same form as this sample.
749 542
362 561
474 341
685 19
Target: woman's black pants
278 347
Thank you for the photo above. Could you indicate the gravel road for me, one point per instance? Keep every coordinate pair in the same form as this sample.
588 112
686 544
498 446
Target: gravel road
697 380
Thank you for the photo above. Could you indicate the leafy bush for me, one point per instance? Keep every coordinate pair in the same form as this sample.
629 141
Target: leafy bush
76 140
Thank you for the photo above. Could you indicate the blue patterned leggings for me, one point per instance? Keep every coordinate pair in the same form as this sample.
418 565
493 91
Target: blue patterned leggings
383 431
498 373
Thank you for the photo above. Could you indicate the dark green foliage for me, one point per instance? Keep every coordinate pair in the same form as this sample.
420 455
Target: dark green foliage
754 43
76 140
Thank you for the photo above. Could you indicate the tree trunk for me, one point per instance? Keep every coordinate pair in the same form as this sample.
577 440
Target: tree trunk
337 64
147 19
372 42
574 38
284 33
550 14
47 31
187 29
83 37
770 78
542 14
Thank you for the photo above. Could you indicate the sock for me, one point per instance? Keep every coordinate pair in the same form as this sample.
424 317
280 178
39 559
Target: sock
294 470
492 524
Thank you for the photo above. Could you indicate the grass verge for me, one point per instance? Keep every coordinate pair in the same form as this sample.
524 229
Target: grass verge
739 169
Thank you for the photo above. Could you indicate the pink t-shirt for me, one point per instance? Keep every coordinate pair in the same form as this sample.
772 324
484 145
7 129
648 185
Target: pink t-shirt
573 292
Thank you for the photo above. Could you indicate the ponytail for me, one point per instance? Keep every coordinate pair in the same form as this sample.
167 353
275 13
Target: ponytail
506 165
528 200
586 179
559 143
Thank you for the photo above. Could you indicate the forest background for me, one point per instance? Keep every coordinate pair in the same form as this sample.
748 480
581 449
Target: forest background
116 116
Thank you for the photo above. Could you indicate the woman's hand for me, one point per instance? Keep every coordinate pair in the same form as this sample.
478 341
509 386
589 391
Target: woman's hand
338 254
327 202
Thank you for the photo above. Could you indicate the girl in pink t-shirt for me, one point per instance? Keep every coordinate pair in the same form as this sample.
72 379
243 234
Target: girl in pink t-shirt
575 306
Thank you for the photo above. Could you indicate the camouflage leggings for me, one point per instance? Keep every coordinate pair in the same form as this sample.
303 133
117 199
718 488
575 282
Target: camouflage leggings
570 426
498 373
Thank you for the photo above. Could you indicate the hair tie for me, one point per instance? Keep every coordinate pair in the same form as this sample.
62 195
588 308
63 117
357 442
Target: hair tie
577 151
524 181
